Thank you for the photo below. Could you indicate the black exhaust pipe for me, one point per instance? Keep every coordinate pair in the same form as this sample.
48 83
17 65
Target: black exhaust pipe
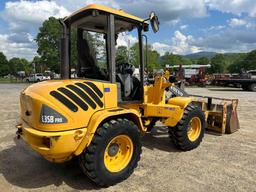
64 51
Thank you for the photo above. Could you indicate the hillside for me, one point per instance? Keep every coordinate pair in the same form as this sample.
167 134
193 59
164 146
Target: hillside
209 55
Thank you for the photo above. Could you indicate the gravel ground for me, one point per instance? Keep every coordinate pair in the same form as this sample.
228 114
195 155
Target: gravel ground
220 163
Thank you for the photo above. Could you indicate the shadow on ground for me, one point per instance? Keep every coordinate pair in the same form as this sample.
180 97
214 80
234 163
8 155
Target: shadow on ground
22 167
158 139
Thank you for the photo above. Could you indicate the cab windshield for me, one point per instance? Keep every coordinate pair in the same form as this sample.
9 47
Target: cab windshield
89 36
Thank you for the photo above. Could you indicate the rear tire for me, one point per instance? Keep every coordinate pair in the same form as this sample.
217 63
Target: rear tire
252 87
189 131
107 166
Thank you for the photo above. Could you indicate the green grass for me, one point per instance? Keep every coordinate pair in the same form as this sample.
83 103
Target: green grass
10 80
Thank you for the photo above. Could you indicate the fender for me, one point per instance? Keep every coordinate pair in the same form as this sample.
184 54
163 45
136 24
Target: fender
102 116
182 102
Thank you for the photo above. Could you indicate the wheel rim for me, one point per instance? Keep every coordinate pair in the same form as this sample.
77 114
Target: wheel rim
118 153
194 128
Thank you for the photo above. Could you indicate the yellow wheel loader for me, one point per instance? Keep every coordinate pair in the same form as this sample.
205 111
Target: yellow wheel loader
100 116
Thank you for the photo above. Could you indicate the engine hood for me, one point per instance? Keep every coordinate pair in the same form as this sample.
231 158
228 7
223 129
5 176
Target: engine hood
74 100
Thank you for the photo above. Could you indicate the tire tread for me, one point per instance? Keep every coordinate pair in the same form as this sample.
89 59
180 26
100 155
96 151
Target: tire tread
87 161
178 134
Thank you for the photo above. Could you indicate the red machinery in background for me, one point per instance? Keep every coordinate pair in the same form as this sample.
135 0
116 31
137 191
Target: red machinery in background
193 74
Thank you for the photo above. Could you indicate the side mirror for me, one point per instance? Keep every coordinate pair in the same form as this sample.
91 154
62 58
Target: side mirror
154 21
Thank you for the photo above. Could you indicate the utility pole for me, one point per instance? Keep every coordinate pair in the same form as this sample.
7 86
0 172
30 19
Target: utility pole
34 71
128 51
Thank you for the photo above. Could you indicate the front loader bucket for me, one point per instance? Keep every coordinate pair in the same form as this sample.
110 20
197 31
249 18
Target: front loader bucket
220 114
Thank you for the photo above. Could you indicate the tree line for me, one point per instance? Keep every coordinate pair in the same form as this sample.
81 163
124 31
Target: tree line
13 65
48 57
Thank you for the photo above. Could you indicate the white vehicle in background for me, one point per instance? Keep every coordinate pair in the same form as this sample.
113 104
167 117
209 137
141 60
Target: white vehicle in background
252 74
36 77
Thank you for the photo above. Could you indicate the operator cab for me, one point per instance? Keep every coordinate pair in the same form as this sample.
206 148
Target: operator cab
92 33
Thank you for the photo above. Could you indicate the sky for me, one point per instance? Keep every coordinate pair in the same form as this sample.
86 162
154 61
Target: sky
186 26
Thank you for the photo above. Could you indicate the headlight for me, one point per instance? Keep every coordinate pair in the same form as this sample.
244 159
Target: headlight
50 116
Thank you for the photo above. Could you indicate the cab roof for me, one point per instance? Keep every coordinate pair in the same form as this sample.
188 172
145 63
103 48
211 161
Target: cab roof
102 8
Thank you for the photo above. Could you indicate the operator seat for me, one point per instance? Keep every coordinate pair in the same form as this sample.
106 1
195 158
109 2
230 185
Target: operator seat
87 66
130 85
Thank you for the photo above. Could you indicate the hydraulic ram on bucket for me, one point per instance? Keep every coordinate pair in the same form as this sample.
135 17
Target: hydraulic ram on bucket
221 114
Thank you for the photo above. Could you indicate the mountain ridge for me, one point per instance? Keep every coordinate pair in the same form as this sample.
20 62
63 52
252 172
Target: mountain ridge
197 55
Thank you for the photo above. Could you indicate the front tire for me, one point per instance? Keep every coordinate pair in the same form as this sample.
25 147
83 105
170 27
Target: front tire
113 153
189 131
